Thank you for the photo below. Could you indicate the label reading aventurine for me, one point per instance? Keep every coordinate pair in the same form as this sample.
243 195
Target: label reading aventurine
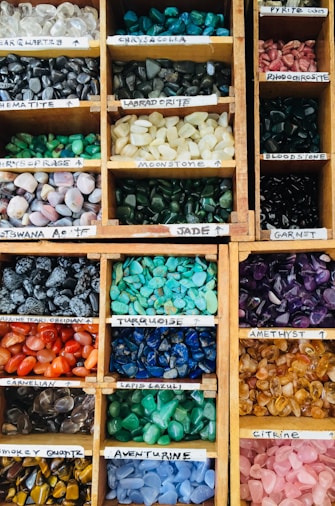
294 11
169 102
50 451
156 454
17 105
301 77
48 319
40 163
143 40
34 382
291 434
162 321
177 164
44 42
159 385
294 156
256 333
77 232
298 234
199 229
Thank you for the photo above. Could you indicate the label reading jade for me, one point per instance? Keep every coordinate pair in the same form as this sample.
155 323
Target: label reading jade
301 77
294 11
39 104
40 163
199 229
162 321
294 156
34 382
143 40
47 319
159 385
182 164
23 233
51 451
292 434
41 43
169 102
256 333
156 454
297 234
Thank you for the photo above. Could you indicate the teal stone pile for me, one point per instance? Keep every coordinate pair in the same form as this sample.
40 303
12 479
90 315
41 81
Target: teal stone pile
172 21
160 416
164 285
25 145
153 201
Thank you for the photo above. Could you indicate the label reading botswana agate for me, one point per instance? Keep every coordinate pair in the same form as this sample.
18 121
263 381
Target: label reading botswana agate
70 232
156 454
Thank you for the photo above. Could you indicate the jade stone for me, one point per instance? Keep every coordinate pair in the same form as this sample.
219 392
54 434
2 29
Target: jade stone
181 418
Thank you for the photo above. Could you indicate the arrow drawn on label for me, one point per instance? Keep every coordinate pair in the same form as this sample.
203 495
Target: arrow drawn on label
217 163
76 42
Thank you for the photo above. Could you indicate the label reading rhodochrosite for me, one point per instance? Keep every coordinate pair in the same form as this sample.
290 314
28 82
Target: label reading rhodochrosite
301 77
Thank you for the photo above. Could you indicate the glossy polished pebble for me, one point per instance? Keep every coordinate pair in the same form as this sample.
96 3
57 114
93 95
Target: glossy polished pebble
173 21
287 290
289 201
163 352
39 199
293 56
199 135
30 78
187 482
289 125
287 378
160 417
164 285
25 145
64 20
165 78
37 410
153 201
32 480
59 286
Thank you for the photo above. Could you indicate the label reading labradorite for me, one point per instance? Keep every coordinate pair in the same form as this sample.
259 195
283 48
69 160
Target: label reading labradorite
156 454
256 333
156 385
301 77
39 104
200 229
42 383
291 434
23 233
143 40
42 43
45 319
40 163
298 234
162 321
11 450
169 102
294 11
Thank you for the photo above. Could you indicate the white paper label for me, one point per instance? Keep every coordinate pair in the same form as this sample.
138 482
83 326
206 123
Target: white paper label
177 164
48 319
156 385
294 156
24 233
301 77
156 454
162 321
44 42
41 163
199 229
166 40
34 382
256 333
294 11
17 105
298 234
50 451
292 434
169 102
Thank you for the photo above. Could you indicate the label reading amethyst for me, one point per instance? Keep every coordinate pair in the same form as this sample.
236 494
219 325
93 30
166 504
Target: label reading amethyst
256 333
111 452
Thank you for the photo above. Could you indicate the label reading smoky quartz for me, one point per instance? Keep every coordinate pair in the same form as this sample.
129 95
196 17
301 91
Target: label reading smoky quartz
177 164
294 156
43 383
40 163
294 11
169 102
156 454
17 105
51 451
292 434
45 319
24 233
301 77
199 229
298 234
162 321
159 385
41 43
256 333
143 40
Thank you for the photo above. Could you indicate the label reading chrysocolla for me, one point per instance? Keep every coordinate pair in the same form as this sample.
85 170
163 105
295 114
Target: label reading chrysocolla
292 434
50 451
26 233
41 163
294 11
256 333
160 40
44 42
162 321
154 454
294 156
169 102
18 105
156 385
298 234
300 77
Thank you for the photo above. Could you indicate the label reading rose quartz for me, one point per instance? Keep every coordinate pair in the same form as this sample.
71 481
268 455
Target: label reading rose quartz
18 105
301 77
156 454
23 233
50 451
294 11
41 43
35 382
162 321
298 234
143 40
292 434
177 164
156 385
199 230
294 156
41 163
47 319
256 333
169 102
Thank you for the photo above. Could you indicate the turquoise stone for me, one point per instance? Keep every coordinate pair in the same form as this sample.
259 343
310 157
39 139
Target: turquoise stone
119 308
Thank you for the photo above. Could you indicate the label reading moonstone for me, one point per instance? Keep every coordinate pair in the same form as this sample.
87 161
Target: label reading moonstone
39 104
40 163
143 40
23 233
159 385
294 11
36 43
199 230
298 234
294 156
70 452
45 319
292 434
183 164
302 77
169 102
111 452
256 333
162 321
34 382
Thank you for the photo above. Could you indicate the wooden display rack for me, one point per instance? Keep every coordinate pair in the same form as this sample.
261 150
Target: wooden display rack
251 426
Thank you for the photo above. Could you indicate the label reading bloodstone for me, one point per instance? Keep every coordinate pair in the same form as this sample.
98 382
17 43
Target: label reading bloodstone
49 451
159 321
156 454
294 11
294 156
291 434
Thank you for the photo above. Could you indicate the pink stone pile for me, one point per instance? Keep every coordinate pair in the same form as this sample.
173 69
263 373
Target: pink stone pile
287 472
294 56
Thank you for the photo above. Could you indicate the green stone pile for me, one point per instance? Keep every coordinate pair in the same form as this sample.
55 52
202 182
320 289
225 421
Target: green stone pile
25 145
160 416
164 286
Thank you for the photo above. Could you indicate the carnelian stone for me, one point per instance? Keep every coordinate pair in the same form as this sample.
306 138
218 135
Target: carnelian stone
92 359
47 332
35 343
45 356
21 328
4 328
4 355
80 371
14 362
83 337
12 338
66 333
72 346
60 366
26 366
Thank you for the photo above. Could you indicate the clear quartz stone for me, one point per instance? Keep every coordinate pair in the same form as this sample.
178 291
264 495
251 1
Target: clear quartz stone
65 10
29 27
58 29
6 9
46 11
25 9
77 27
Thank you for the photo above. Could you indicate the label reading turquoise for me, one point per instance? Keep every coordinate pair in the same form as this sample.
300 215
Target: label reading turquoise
162 321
